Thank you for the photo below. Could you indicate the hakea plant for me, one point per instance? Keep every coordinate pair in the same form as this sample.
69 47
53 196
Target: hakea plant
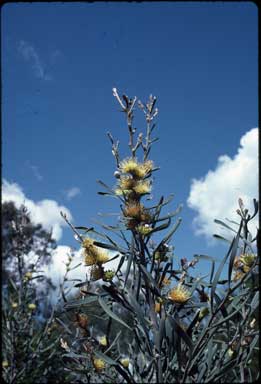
180 327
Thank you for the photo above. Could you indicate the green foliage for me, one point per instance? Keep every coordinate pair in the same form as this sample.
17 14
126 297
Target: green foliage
30 341
178 327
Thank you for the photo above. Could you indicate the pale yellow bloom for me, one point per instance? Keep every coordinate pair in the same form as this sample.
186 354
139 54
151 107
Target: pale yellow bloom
99 364
14 305
179 294
5 364
136 169
28 275
93 254
142 187
247 259
103 341
143 229
32 306
127 183
125 362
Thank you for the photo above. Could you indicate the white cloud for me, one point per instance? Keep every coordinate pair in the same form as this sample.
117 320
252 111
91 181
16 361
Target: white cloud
72 192
30 55
45 212
215 196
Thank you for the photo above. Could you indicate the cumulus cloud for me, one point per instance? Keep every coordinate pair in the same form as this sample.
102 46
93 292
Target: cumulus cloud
45 212
72 192
30 55
215 196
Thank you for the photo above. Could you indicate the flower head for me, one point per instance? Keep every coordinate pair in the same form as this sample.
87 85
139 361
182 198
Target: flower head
125 362
136 169
103 341
31 306
108 275
93 254
99 364
143 187
127 183
5 364
248 259
14 305
82 320
179 294
144 230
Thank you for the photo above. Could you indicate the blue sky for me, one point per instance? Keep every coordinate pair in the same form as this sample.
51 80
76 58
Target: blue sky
59 65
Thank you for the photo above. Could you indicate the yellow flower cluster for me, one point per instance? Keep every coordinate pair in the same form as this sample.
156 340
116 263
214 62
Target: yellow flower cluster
103 341
136 169
125 362
99 364
179 294
31 306
93 254
140 187
242 265
144 230
133 173
5 364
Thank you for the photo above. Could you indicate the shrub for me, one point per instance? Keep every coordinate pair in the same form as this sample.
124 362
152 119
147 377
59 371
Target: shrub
176 326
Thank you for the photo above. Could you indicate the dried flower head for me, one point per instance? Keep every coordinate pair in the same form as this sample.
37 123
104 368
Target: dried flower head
134 210
82 320
238 276
99 364
237 263
179 294
135 214
96 272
